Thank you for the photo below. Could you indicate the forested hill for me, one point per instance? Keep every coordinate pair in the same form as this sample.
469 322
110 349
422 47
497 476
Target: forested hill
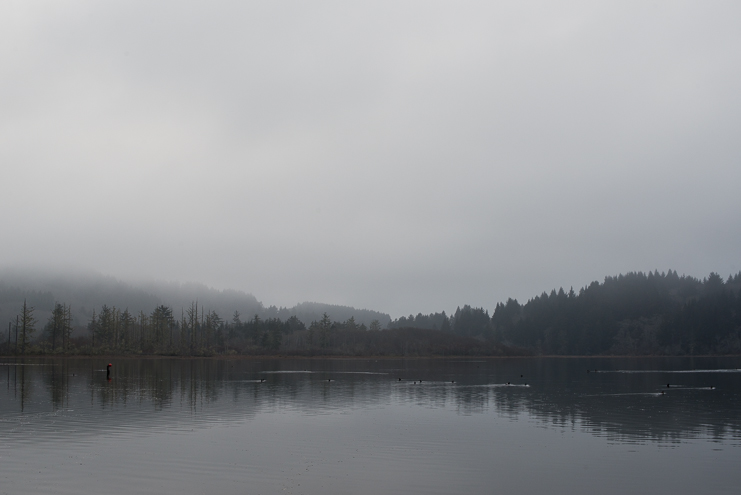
632 314
86 293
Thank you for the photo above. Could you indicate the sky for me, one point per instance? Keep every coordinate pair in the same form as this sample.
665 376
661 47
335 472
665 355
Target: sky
399 156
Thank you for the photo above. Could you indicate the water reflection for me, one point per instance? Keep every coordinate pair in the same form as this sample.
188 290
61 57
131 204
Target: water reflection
623 400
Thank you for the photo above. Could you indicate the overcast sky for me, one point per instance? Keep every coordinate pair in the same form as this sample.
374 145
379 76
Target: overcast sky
399 156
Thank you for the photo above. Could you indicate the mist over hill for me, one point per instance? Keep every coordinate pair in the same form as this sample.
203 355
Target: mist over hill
86 292
633 314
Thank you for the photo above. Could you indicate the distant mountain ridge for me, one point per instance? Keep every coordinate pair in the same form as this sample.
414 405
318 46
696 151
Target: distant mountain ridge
90 291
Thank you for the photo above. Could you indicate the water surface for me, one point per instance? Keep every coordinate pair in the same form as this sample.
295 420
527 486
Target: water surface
369 426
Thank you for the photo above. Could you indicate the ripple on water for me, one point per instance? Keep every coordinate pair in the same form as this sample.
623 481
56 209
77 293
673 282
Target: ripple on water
194 426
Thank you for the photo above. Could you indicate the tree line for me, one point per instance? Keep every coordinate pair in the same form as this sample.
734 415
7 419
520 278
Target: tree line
200 332
634 314
87 292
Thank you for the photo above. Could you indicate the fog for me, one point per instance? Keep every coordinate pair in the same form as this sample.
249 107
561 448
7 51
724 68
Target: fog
398 156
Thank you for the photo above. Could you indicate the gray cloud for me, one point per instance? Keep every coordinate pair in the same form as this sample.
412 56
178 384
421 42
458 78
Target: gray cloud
401 156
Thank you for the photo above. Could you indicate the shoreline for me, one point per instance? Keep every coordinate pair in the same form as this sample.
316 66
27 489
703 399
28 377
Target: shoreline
346 357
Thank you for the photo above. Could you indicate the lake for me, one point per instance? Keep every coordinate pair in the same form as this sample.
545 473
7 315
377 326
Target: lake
367 426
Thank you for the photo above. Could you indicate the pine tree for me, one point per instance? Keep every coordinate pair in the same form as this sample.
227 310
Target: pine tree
56 325
66 327
93 328
126 324
324 326
28 325
192 314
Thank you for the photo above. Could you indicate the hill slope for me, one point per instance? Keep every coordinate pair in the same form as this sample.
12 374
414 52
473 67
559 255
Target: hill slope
90 291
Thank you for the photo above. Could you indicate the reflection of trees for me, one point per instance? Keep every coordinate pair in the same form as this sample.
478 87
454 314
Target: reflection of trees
166 391
58 384
24 389
646 418
19 388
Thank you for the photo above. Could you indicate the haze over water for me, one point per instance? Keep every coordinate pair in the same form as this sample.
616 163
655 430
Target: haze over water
351 426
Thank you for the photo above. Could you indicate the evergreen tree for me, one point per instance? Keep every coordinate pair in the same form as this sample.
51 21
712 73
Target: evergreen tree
92 328
324 328
192 314
28 325
126 325
55 327
67 333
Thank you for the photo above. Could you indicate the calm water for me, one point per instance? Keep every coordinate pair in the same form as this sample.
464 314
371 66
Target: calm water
350 426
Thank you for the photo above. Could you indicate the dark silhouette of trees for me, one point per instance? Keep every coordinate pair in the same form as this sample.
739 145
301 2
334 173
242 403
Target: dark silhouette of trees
127 323
192 329
472 322
58 328
161 323
433 321
633 314
27 324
